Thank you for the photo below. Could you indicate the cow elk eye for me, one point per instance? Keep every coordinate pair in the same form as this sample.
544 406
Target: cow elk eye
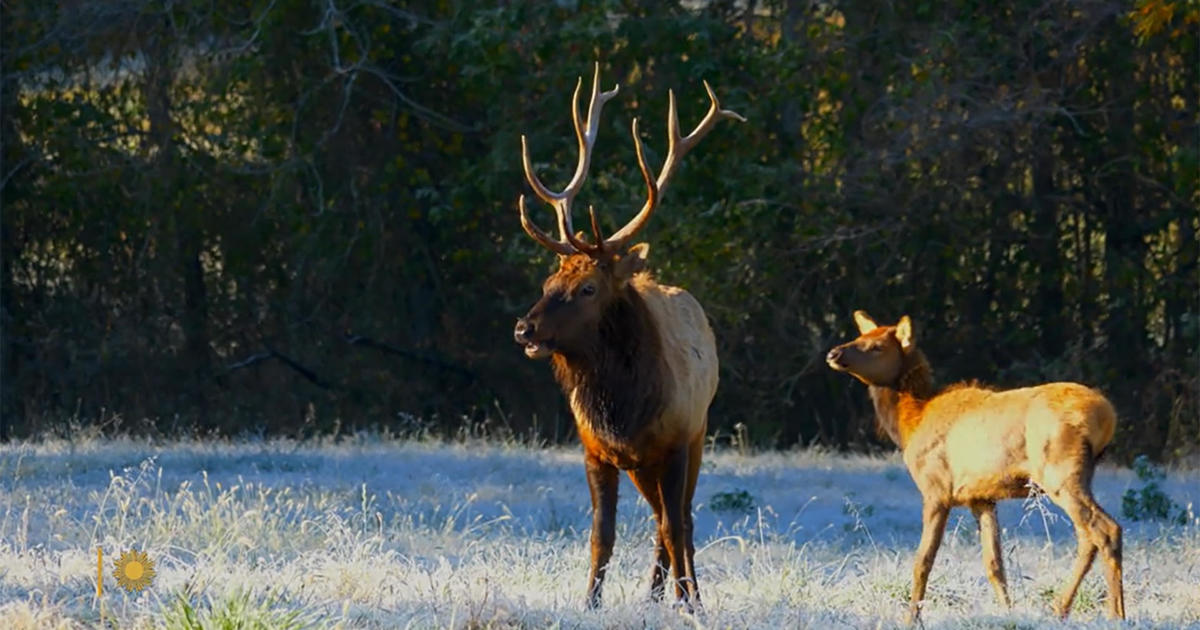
587 290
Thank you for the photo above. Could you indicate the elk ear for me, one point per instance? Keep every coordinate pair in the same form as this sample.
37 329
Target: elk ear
904 333
633 261
864 321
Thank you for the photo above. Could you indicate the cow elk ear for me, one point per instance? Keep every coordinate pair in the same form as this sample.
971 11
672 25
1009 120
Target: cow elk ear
904 333
633 261
864 321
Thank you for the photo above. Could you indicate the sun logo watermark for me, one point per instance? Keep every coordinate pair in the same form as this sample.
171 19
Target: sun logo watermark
134 570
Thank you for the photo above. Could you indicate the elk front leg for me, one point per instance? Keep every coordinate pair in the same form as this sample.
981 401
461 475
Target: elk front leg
989 539
673 487
602 481
933 525
646 481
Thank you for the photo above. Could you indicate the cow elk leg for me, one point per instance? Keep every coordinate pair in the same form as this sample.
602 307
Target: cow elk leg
602 481
933 525
1084 555
646 482
1096 531
989 539
1110 548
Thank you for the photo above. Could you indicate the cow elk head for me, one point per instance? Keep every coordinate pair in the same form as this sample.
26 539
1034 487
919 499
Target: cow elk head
592 275
876 357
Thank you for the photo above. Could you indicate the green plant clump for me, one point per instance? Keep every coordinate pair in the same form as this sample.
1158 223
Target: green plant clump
733 501
240 611
1151 502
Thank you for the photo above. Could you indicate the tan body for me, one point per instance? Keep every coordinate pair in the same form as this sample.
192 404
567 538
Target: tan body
972 446
976 444
689 354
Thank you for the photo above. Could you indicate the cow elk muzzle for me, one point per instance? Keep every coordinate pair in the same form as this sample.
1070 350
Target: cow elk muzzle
834 359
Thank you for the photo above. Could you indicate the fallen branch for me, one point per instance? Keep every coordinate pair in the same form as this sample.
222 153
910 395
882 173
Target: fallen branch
359 340
272 353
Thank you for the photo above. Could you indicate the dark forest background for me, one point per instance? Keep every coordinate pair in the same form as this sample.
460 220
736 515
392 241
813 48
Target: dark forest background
298 217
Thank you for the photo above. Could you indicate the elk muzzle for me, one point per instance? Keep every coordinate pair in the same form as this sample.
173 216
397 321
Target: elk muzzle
525 333
835 359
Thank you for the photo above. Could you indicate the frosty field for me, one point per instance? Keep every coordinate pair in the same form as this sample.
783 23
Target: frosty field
377 533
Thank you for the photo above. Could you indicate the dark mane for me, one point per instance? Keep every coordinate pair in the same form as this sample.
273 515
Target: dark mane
618 380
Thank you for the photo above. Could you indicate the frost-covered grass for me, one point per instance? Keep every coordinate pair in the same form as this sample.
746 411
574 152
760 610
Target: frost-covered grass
373 532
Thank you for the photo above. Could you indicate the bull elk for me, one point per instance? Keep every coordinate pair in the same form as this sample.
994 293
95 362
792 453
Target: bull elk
972 446
636 359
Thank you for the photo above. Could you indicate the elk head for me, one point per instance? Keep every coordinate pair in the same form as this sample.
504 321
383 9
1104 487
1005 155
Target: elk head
877 356
592 276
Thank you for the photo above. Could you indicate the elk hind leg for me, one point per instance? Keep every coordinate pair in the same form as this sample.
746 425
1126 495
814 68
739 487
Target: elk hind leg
989 538
695 453
646 481
673 488
1095 529
933 525
1106 534
1084 555
1102 534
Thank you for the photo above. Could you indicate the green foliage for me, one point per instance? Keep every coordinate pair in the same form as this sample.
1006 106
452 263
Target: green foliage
1150 502
239 611
740 501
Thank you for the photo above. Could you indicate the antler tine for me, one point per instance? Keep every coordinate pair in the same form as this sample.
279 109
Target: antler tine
586 135
617 241
538 235
534 182
587 248
596 233
563 219
587 139
678 147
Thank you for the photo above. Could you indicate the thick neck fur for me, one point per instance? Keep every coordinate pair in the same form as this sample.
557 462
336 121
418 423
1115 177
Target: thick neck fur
617 378
898 408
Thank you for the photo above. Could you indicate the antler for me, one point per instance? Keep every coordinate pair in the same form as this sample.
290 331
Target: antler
677 148
568 243
561 201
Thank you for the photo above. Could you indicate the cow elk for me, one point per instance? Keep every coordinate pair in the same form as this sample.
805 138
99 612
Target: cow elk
972 446
636 359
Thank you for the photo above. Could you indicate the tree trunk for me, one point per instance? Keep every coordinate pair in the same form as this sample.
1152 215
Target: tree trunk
1048 299
1124 326
188 236
11 155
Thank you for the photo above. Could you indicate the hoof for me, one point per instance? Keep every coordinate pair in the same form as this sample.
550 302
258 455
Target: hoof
685 606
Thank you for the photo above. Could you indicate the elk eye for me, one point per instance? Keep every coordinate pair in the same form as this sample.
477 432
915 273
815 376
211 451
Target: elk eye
587 289
874 348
